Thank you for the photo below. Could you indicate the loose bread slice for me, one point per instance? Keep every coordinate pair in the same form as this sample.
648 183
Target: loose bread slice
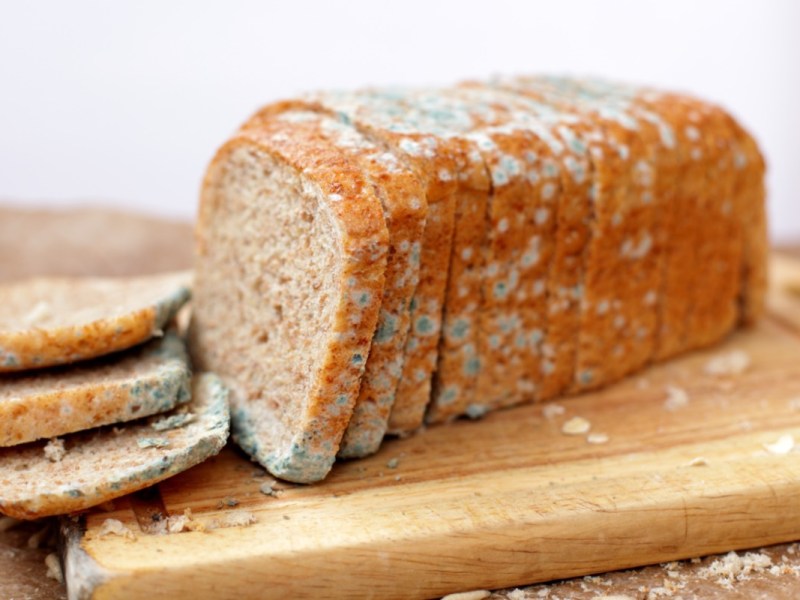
95 466
140 382
292 248
54 321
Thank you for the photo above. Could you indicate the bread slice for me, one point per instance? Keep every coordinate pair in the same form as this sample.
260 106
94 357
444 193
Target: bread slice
140 382
292 247
405 208
54 321
416 138
95 466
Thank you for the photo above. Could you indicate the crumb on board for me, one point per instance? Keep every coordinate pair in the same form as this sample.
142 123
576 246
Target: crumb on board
783 445
392 463
471 595
53 568
732 567
114 527
236 518
228 501
268 490
730 363
551 411
597 438
173 422
55 451
677 398
697 461
576 426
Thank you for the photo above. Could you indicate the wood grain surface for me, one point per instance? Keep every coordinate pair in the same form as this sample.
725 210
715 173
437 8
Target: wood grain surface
769 573
505 501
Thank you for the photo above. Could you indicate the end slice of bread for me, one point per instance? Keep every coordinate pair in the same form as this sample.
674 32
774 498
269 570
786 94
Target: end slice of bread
55 321
292 246
137 383
96 466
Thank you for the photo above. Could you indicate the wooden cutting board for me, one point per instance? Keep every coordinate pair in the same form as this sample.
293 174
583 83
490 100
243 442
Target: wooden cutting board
504 501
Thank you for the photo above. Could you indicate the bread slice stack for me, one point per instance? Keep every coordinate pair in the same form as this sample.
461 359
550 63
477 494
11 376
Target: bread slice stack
96 392
375 260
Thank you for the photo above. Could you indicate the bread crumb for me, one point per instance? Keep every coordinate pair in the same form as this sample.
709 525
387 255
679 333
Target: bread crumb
473 595
228 501
268 490
697 461
677 398
184 522
236 518
732 363
516 594
172 422
55 451
576 426
392 463
783 445
145 442
53 568
115 527
551 411
615 597
597 438
732 567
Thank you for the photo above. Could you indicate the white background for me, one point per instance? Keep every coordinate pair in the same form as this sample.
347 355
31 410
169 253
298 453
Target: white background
125 102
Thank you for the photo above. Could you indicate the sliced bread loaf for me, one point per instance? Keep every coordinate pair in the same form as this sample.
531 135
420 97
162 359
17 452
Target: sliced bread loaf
120 387
292 248
89 468
53 321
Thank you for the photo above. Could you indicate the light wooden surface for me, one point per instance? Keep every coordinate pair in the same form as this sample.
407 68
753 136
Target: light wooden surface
505 501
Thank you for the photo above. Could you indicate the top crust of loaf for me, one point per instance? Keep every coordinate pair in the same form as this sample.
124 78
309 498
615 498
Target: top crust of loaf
297 438
54 321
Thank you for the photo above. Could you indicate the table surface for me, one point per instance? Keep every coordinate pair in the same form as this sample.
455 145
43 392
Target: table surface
34 242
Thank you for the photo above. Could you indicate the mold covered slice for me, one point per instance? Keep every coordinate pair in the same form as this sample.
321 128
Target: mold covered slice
292 246
137 383
95 466
404 205
55 321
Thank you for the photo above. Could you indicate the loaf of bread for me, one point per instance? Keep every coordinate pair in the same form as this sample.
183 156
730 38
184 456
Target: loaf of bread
369 261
